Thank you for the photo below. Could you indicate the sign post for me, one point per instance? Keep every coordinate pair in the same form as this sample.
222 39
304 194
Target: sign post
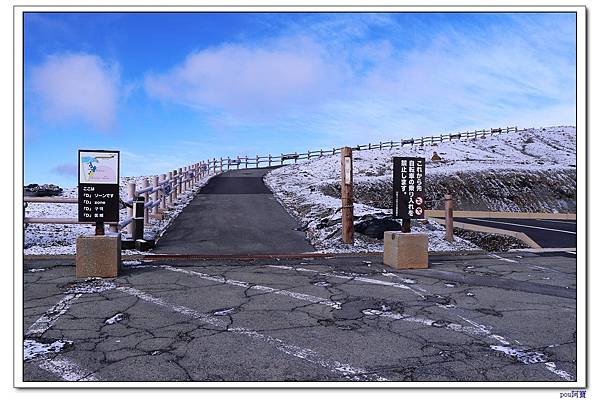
405 249
347 202
98 255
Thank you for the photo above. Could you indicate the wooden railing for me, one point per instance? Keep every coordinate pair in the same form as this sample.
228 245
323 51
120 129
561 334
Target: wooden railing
164 190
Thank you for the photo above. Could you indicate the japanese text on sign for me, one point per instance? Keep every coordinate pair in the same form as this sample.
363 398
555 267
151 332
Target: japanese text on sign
98 188
409 182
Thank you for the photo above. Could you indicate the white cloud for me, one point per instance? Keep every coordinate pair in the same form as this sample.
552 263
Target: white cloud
77 86
250 81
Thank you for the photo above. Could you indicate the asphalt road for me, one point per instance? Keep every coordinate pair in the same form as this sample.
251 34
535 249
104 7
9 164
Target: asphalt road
235 213
546 233
493 318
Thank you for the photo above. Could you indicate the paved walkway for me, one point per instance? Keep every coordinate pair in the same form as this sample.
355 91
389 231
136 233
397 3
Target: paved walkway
235 213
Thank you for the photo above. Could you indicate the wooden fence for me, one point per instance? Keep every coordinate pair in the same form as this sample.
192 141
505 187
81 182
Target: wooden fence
161 192
225 164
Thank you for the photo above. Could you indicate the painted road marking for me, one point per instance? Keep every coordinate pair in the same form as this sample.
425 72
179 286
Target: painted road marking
68 370
246 285
306 354
346 277
480 329
43 323
502 258
522 225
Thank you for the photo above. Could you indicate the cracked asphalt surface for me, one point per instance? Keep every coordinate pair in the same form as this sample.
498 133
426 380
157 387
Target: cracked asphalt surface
493 318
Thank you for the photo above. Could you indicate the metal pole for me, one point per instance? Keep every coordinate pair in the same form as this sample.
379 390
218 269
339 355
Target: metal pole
99 228
449 217
131 197
347 203
146 184
172 184
163 197
138 219
155 194
179 179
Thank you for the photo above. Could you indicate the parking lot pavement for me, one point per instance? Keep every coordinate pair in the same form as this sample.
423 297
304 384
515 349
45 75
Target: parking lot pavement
494 318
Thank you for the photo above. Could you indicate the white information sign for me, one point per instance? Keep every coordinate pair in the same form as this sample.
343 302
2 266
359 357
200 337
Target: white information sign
100 167
347 170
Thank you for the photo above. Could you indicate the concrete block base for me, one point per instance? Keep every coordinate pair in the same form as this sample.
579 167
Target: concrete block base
98 256
405 250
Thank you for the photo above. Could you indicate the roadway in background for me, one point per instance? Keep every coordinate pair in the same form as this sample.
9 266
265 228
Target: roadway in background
546 233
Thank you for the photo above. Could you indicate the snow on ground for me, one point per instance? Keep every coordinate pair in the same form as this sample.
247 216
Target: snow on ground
51 239
298 186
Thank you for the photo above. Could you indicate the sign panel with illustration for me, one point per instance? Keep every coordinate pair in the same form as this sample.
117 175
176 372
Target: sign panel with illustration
98 187
408 197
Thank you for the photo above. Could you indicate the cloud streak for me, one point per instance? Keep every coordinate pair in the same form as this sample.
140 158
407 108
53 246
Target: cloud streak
250 81
77 87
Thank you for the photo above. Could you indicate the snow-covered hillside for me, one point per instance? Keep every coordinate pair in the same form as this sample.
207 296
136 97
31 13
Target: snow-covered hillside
487 173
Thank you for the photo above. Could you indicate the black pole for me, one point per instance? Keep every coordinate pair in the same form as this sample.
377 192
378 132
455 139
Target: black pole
405 225
99 228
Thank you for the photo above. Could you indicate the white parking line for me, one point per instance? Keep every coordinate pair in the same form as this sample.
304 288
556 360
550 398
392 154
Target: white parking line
48 319
68 370
502 258
479 329
266 289
306 354
522 225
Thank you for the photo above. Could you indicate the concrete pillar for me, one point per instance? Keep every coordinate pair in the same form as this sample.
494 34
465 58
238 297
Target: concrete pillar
131 197
405 250
98 256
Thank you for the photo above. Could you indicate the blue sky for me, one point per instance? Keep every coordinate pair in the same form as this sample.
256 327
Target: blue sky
172 89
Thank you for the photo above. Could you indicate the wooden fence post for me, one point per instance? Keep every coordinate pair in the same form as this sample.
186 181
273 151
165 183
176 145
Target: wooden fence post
257 162
448 207
170 196
246 161
131 197
347 203
281 159
269 159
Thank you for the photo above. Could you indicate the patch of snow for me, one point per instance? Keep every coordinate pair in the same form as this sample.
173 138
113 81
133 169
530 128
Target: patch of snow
224 312
33 349
114 319
526 357
36 270
91 285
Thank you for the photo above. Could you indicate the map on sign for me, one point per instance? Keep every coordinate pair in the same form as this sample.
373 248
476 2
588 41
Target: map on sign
98 167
